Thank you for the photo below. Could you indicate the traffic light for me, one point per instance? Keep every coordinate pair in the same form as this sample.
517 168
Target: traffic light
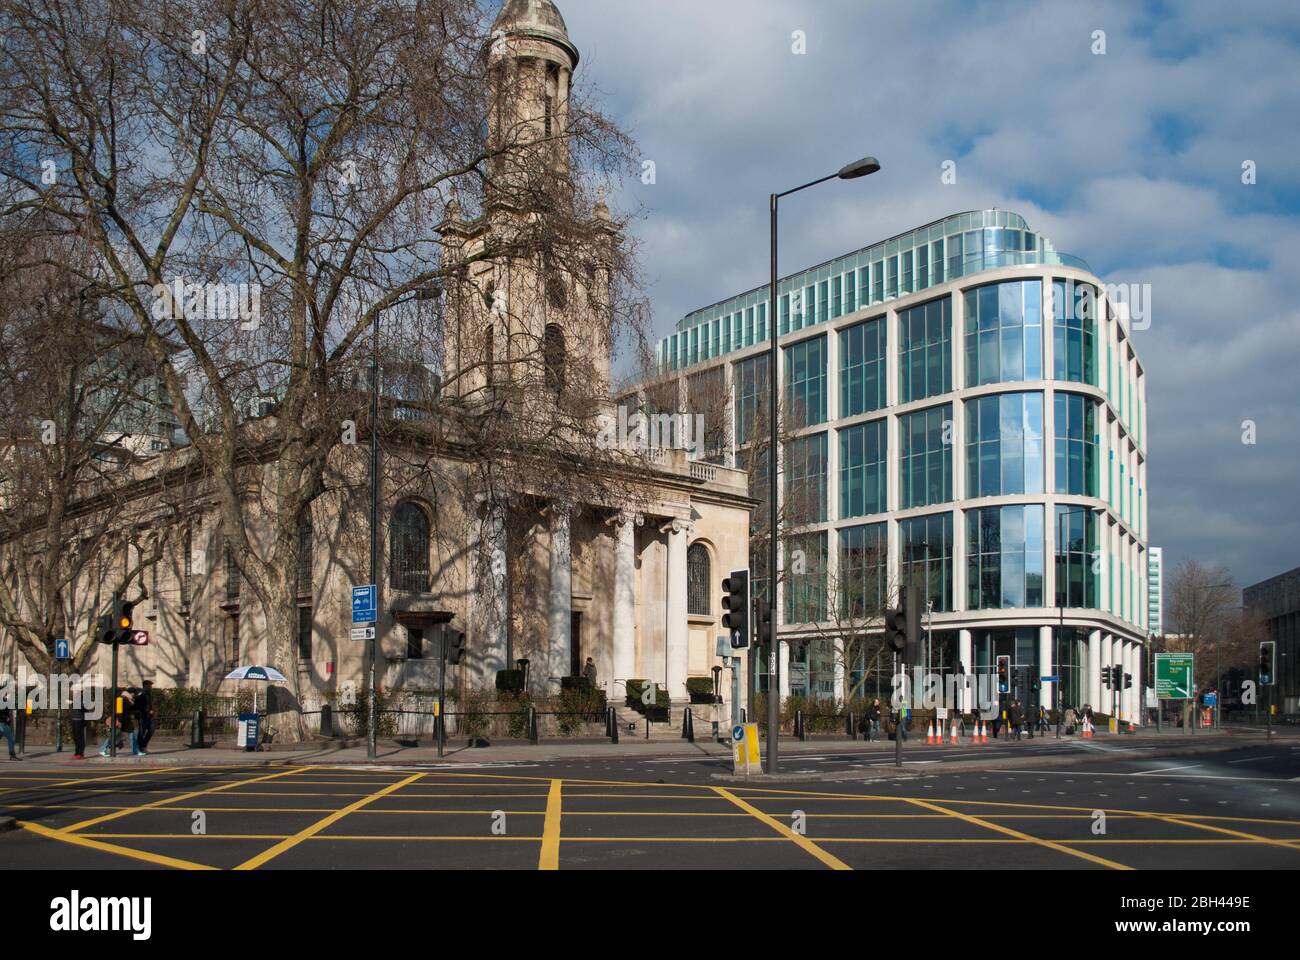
1128 681
1267 662
912 607
455 641
1004 674
896 629
735 601
1105 677
116 626
764 626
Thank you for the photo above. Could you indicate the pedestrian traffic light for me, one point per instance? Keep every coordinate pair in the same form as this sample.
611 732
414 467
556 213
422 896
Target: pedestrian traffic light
1004 674
1105 676
735 601
1267 662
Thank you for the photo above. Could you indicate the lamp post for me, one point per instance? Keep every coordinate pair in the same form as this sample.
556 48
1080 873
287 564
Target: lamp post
1218 694
1061 596
426 292
860 168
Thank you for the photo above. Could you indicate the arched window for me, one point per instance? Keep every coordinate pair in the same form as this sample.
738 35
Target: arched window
408 567
697 580
553 355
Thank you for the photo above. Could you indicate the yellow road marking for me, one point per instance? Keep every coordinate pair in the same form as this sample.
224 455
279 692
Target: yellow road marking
127 811
831 861
145 855
1287 844
549 859
1022 836
291 842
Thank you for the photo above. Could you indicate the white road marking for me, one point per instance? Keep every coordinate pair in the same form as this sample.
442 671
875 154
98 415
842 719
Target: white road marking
1249 759
1186 766
1176 776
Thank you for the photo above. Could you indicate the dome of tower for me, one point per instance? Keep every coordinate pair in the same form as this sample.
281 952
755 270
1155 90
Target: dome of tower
535 18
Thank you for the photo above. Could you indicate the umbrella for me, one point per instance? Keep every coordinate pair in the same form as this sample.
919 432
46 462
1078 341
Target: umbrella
265 674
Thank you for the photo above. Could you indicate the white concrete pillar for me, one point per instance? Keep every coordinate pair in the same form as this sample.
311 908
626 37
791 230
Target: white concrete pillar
1108 647
560 613
1047 690
785 669
624 660
1092 686
677 634
491 610
967 697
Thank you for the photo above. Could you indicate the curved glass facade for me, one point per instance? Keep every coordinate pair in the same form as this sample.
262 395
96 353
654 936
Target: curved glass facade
1078 559
864 469
1004 332
1074 329
1004 445
1076 444
925 461
925 350
926 557
862 367
1004 550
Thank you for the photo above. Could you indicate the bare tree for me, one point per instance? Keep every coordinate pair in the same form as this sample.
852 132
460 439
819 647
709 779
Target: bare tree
332 158
1203 607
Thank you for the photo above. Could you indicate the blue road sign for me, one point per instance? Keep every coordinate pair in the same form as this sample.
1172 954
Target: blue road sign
1050 679
364 604
62 650
1211 699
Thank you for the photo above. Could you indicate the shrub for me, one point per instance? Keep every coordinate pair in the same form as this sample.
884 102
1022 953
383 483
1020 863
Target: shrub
700 689
475 709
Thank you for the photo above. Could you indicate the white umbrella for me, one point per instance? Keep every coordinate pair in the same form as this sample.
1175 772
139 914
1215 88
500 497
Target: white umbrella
265 674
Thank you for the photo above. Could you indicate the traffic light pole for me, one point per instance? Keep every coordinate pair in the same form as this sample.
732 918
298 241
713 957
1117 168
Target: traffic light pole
442 686
112 708
371 709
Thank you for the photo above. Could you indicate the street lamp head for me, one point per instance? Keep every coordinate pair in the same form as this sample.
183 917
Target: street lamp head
859 168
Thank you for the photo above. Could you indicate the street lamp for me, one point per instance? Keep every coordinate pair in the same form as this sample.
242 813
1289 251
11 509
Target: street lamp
852 171
1061 592
426 292
1218 694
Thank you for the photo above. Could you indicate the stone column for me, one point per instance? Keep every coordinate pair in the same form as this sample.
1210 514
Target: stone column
1092 686
624 660
1047 690
966 698
677 634
560 619
492 610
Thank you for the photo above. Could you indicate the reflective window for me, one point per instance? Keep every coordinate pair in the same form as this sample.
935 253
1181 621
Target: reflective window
1076 444
862 367
1004 550
1004 445
805 380
925 463
751 396
925 350
864 571
863 469
1074 308
1004 333
805 478
926 557
1076 553
805 592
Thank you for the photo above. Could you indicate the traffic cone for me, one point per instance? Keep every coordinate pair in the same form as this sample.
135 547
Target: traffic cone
929 734
984 732
953 740
1087 727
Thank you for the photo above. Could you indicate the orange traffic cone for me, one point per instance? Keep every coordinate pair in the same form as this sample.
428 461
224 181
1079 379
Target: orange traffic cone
1087 728
953 740
984 732
929 733
979 732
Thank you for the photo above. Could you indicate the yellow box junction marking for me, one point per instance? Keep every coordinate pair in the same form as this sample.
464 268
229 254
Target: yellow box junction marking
831 861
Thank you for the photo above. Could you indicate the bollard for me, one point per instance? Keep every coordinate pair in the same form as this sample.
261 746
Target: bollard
20 718
196 730
798 725
326 720
613 725
851 728
532 724
688 726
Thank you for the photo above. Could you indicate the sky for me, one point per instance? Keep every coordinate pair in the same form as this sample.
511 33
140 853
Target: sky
1131 158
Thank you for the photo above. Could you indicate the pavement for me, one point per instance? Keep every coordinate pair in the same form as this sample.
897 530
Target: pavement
1228 801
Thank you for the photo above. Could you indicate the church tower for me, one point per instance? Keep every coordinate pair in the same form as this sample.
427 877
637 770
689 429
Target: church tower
530 317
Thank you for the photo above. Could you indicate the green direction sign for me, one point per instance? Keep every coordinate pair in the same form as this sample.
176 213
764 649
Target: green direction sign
1174 676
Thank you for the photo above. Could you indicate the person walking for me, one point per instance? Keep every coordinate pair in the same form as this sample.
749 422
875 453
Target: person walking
124 726
1042 719
1070 721
1016 717
873 721
144 716
7 730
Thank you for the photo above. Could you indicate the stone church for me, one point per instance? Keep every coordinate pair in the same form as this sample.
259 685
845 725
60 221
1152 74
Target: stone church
527 564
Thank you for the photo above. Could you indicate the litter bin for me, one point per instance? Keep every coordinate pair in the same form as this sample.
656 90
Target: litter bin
249 728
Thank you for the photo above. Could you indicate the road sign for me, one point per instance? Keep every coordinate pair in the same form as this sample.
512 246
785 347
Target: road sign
1050 679
1211 699
365 604
62 650
1174 676
140 638
363 633
744 749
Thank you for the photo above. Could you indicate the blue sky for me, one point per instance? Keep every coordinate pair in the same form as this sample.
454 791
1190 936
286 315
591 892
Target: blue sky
1131 159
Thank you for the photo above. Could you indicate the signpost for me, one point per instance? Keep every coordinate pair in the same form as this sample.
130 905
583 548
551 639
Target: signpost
744 748
1174 672
364 604
363 633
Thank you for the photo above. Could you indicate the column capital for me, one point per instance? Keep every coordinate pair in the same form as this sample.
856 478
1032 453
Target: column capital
678 525
623 517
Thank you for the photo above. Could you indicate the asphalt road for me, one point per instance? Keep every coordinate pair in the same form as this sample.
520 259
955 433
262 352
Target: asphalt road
1107 806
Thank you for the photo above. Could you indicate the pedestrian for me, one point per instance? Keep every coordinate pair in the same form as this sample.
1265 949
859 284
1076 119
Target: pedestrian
873 721
1016 717
124 726
1042 719
997 723
7 730
589 671
77 716
1069 721
144 716
904 715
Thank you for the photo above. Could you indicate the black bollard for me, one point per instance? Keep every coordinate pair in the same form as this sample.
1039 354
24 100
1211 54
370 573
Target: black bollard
326 720
196 730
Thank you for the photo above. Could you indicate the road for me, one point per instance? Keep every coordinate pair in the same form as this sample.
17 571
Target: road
1229 810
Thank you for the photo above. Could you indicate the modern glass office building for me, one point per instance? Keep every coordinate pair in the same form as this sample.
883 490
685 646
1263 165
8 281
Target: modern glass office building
1155 592
963 409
